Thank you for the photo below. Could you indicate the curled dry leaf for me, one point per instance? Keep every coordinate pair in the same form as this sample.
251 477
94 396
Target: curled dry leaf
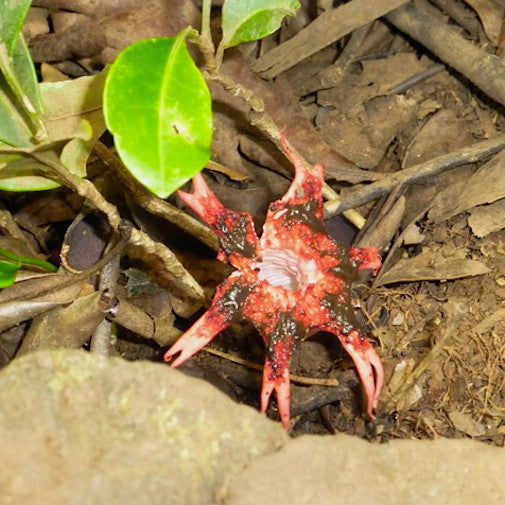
13 312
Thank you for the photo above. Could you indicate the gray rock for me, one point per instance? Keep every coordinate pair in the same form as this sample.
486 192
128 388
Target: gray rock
83 430
345 470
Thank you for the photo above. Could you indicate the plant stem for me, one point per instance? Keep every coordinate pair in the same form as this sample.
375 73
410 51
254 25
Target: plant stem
205 32
27 260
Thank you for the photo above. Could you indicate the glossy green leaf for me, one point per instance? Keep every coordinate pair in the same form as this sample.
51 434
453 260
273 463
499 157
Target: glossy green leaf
158 108
13 13
246 20
8 273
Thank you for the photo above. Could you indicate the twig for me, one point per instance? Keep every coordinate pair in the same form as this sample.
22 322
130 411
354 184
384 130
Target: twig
362 194
415 79
101 338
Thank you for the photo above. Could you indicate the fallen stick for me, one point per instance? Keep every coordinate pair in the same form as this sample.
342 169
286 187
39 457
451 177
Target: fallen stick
361 194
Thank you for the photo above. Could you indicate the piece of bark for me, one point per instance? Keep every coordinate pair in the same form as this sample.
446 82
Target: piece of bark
485 70
327 28
380 236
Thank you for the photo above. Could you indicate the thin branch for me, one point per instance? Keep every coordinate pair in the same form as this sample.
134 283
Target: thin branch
361 194
206 33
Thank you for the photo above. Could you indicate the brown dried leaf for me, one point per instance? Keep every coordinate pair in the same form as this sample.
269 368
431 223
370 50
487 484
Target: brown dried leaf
48 286
465 423
491 14
486 219
13 312
67 327
486 185
425 267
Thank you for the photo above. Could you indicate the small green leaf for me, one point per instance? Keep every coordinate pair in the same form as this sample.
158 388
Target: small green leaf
11 20
20 173
158 108
246 20
8 273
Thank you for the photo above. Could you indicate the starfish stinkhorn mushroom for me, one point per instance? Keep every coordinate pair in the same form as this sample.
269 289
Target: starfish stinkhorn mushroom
289 283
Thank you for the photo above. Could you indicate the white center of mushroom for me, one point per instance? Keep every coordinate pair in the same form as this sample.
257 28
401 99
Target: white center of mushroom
284 268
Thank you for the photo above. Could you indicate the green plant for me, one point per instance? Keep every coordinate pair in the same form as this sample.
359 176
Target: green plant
64 118
157 104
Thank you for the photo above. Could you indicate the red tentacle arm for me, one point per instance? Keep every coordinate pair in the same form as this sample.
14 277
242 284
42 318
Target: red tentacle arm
235 230
216 319
197 337
282 389
276 377
367 362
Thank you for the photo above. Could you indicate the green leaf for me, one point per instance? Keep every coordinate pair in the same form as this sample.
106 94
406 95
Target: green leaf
246 20
24 70
8 273
13 128
17 68
20 173
73 111
158 108
11 20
